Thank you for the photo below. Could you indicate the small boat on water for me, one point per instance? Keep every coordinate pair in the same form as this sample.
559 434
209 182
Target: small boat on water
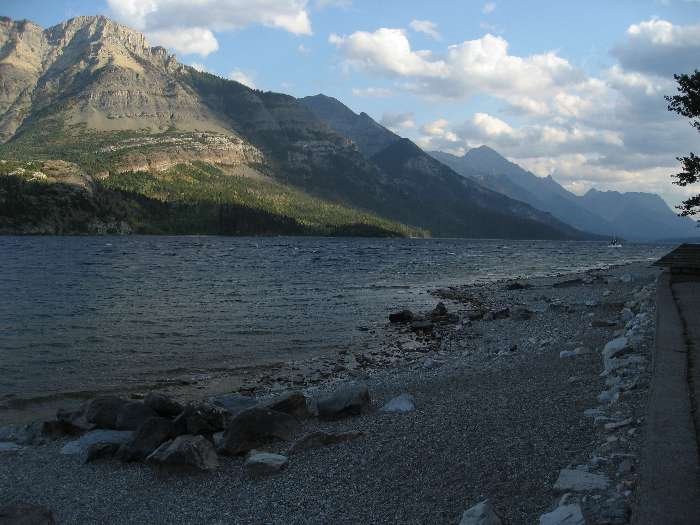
615 243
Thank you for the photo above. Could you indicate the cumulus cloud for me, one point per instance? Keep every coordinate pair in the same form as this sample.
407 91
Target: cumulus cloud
372 92
189 27
426 27
242 77
660 47
398 121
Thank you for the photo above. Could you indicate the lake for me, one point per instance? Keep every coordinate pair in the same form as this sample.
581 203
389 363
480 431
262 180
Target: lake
86 314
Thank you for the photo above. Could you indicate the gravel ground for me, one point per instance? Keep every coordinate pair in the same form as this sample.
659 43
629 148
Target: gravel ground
490 422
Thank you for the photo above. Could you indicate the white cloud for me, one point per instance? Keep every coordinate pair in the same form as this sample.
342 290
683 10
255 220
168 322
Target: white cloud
398 121
386 51
660 47
242 77
372 92
426 27
189 26
322 4
193 40
303 49
489 7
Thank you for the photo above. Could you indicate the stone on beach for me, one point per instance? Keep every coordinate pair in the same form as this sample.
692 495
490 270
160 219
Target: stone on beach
292 402
573 353
188 452
26 514
400 404
148 437
102 411
162 404
200 419
404 316
564 515
7 447
349 399
422 326
616 347
262 463
580 481
132 415
481 514
80 446
321 439
234 404
254 427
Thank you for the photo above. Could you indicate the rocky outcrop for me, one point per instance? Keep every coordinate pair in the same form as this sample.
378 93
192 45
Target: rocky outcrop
185 452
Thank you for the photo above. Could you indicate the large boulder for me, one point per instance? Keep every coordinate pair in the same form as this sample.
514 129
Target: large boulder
404 316
162 404
616 347
202 419
349 399
26 514
234 404
321 439
132 415
440 313
293 403
149 436
263 463
102 411
80 446
185 452
255 427
482 513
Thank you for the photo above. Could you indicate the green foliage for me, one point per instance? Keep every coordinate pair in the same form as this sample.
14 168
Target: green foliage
687 104
204 184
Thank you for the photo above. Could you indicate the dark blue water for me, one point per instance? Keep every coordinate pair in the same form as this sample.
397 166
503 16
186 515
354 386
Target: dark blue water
89 313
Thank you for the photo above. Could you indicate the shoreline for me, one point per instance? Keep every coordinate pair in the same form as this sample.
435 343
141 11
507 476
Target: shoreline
498 415
285 373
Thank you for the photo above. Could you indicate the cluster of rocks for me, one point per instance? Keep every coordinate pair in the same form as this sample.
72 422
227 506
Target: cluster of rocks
600 490
163 433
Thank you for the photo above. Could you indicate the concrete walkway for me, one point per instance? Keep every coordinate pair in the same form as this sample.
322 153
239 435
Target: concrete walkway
669 491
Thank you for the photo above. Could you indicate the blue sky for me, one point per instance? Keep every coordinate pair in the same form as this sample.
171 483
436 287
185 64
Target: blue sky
570 88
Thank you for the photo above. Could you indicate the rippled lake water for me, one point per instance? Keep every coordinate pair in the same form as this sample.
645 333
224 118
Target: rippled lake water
90 313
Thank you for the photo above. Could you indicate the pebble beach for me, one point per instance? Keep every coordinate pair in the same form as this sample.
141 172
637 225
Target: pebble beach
523 400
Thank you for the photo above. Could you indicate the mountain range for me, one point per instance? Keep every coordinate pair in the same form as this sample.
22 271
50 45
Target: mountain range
101 132
633 215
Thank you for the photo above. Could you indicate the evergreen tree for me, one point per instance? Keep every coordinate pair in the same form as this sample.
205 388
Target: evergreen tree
687 104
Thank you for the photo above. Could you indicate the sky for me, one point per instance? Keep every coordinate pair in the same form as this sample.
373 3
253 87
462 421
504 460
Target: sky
573 89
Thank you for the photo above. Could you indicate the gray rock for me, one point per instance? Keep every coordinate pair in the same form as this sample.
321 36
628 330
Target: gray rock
102 411
254 427
185 452
616 347
618 424
149 436
263 463
132 415
501 313
234 403
400 404
481 514
564 515
8 447
162 404
404 316
603 323
101 451
580 481
293 403
422 326
201 419
321 439
626 315
573 353
26 514
349 399
80 446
